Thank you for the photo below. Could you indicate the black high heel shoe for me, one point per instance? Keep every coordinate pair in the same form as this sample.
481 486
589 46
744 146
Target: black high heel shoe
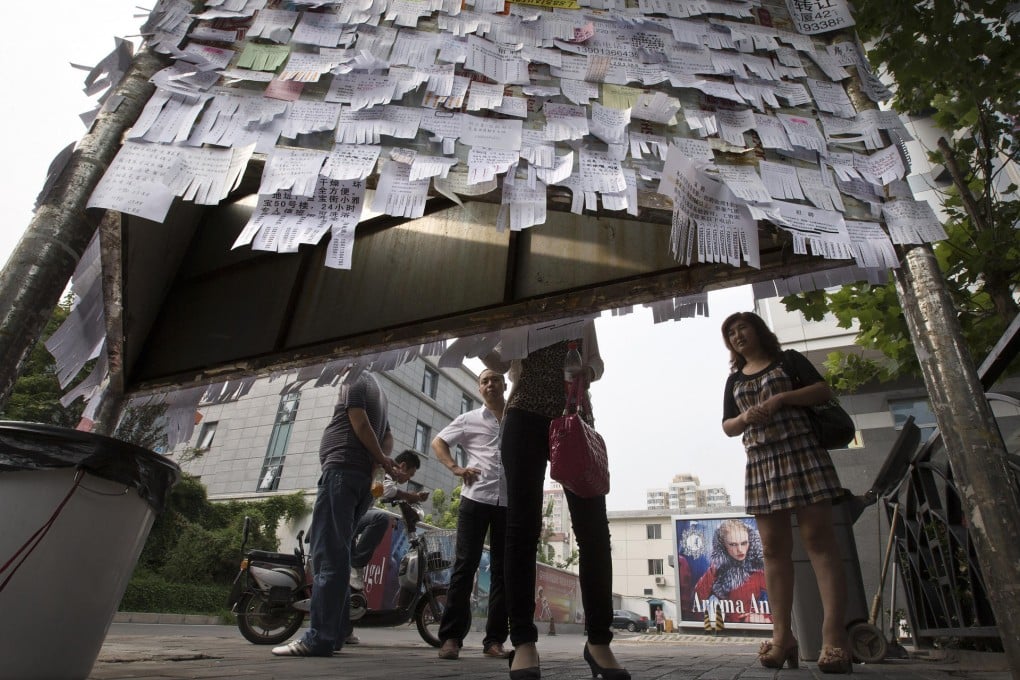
532 673
606 673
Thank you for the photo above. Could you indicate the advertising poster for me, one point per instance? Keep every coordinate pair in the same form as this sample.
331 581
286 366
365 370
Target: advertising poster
557 596
720 568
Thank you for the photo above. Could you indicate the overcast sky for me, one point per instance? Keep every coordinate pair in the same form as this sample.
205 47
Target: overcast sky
44 94
659 405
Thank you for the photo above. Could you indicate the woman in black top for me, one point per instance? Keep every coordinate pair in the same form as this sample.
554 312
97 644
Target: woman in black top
787 471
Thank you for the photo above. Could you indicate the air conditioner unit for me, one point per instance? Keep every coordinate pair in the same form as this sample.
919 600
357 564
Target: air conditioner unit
660 580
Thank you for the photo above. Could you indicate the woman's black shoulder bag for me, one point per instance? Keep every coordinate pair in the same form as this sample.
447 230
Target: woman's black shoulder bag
833 425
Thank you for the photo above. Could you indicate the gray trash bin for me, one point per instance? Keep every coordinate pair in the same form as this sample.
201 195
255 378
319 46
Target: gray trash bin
75 510
807 603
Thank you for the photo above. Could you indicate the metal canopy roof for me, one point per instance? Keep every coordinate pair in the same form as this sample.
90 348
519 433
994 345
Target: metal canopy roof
183 308
194 310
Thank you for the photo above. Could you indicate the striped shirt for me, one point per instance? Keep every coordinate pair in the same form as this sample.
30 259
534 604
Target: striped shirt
340 445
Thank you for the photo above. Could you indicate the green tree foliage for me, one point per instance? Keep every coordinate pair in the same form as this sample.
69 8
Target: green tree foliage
196 541
144 425
36 394
444 513
958 63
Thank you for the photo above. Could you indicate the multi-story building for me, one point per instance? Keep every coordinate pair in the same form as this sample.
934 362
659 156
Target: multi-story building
685 494
559 535
713 497
267 441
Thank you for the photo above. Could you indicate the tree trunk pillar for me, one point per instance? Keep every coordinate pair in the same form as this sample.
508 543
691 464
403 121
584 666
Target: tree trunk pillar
38 270
973 443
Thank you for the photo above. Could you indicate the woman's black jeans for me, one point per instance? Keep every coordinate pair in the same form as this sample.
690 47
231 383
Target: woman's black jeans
525 450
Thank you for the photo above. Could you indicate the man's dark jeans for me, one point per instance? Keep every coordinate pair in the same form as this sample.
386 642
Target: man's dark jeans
343 497
474 521
368 535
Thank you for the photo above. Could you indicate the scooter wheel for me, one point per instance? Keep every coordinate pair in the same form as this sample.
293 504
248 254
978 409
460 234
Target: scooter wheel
427 618
262 623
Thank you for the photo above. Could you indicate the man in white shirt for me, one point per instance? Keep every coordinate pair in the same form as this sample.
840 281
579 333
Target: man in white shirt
482 511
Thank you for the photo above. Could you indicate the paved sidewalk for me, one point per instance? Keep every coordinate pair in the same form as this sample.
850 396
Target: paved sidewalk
168 652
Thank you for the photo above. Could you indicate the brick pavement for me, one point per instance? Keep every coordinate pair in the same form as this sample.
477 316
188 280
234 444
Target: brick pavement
175 652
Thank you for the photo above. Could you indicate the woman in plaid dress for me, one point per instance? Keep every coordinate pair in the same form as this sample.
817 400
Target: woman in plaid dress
787 471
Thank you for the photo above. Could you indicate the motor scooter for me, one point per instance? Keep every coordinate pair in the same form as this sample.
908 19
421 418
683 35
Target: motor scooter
272 591
423 578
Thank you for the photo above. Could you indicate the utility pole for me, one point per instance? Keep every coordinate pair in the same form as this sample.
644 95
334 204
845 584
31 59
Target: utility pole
973 443
38 270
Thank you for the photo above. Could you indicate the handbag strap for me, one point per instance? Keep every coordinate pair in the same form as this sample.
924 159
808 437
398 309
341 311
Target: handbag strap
577 395
786 361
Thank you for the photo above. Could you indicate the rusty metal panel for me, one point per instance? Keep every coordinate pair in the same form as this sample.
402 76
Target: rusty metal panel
196 310
212 305
572 251
441 264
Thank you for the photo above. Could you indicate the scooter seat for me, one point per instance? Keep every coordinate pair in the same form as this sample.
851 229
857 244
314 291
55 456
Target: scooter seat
277 558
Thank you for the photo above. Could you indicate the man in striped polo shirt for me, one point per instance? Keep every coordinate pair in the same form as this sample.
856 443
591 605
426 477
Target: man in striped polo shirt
357 438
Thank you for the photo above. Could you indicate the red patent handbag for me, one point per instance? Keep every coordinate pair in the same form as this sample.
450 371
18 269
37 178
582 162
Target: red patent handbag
577 453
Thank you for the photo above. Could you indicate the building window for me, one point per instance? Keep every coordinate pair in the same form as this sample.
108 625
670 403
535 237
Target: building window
205 436
924 417
422 437
653 530
648 591
466 403
460 456
654 567
430 382
414 487
276 450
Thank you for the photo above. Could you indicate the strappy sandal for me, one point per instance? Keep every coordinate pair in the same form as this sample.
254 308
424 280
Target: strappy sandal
835 660
771 655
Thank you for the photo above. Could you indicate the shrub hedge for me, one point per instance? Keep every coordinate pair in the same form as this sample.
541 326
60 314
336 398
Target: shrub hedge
148 592
193 550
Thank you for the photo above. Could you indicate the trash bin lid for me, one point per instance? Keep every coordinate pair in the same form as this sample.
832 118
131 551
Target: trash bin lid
34 446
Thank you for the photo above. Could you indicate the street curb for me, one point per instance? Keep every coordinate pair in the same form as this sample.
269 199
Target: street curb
161 618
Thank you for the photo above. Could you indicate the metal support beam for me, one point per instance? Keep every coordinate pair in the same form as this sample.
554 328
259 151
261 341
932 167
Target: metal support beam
973 443
38 270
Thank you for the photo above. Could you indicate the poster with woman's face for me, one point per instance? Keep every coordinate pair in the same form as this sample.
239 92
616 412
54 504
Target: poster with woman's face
721 572
557 595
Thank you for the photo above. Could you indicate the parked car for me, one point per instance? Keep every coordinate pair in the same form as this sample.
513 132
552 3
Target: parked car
632 621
